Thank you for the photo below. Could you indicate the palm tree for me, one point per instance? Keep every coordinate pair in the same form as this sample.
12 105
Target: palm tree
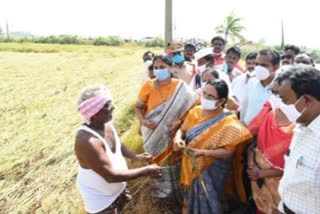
231 27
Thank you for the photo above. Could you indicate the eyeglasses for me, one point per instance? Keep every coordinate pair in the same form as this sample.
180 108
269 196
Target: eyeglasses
209 96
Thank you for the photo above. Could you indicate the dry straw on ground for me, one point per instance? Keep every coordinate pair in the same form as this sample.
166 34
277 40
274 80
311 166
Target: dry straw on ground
39 87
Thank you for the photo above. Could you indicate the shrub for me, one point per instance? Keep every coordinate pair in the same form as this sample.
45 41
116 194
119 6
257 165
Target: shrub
101 41
156 42
115 41
69 39
109 41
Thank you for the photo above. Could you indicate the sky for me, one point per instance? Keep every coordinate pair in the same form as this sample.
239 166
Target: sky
140 18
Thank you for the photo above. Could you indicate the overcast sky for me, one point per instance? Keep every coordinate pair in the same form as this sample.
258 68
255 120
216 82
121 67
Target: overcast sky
140 18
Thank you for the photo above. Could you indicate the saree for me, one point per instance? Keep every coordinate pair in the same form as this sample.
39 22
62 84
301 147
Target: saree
267 197
158 142
204 177
273 142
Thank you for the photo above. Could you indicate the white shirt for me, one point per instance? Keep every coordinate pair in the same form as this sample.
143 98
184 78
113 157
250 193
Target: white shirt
255 98
223 76
300 185
239 86
233 74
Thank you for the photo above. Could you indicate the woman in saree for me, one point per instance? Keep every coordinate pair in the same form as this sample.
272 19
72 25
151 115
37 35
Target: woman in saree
273 128
161 103
208 137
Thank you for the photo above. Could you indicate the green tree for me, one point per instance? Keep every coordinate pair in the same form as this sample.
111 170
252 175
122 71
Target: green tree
232 27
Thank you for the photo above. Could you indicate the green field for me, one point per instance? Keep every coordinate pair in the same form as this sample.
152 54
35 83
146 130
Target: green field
38 117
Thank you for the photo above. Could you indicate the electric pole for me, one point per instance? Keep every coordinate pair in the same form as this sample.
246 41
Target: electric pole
282 36
8 34
168 23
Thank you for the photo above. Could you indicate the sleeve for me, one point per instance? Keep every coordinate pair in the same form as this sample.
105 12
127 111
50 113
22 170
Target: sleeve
227 80
244 104
144 92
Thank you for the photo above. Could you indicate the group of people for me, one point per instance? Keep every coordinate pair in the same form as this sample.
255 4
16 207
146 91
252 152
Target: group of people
214 134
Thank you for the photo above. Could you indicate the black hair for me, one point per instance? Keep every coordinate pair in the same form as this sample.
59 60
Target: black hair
305 80
287 55
190 45
165 58
218 38
235 50
213 71
252 55
307 55
222 89
146 53
273 54
283 76
294 48
209 57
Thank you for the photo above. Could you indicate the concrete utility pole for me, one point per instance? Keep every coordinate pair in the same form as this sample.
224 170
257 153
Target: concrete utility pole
8 33
168 23
282 36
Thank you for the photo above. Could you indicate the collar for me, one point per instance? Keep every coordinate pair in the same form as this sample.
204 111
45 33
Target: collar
315 124
248 73
270 86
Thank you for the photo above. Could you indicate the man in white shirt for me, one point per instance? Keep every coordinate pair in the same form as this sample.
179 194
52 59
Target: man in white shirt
239 84
259 88
231 60
300 185
205 59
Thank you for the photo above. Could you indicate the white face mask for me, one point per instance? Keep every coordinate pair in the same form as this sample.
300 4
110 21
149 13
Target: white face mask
261 72
203 85
208 104
275 101
291 111
148 63
202 68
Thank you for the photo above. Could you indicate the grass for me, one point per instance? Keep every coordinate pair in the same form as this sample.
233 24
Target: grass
39 88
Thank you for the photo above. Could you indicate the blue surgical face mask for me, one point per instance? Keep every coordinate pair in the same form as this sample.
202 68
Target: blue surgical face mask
178 59
161 74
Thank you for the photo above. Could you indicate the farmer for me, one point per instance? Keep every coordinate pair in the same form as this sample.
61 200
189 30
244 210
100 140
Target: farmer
103 171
